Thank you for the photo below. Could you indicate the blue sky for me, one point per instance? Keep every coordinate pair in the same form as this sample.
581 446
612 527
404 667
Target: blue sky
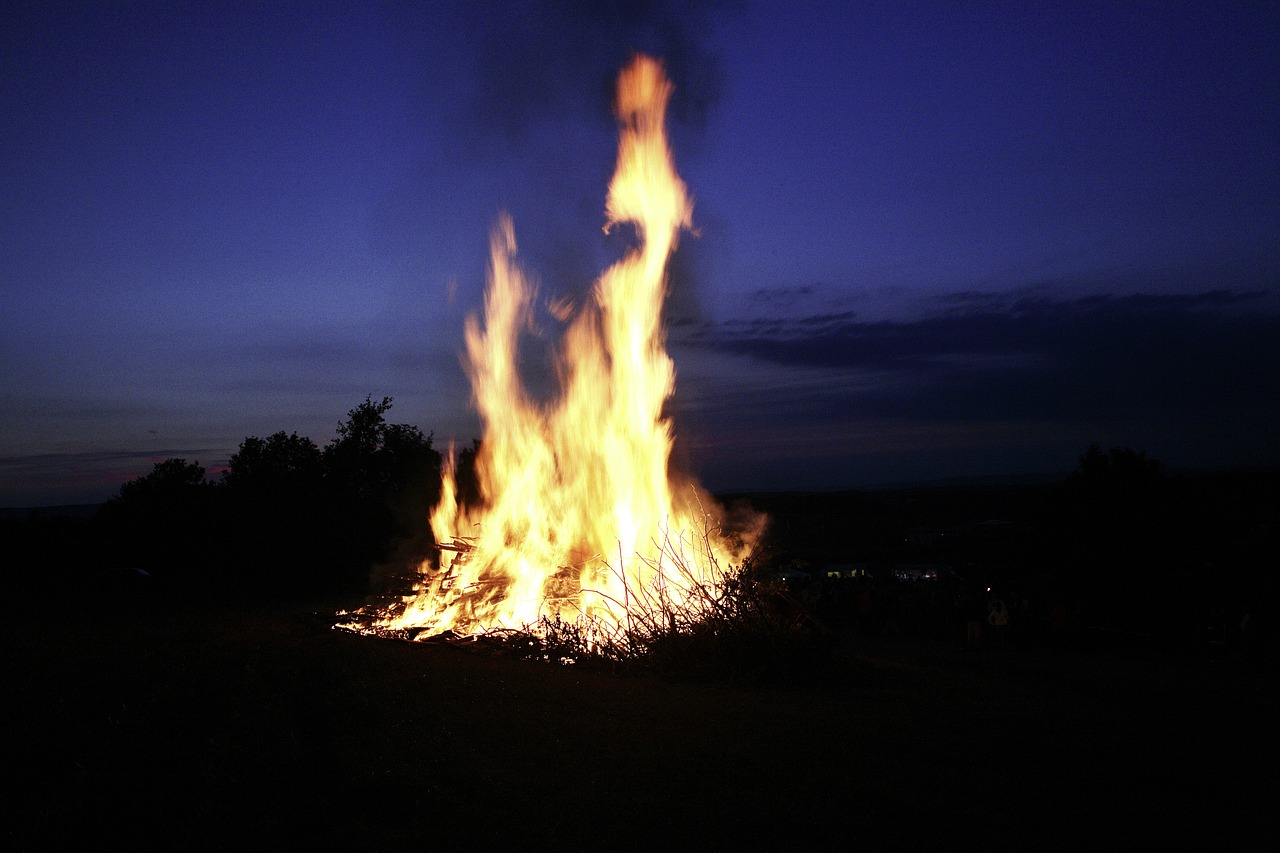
934 240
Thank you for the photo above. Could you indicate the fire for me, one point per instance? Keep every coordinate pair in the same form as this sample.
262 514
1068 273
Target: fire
580 521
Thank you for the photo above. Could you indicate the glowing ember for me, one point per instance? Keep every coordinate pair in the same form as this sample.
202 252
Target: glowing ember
580 520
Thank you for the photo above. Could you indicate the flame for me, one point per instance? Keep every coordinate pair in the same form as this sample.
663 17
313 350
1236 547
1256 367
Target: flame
580 521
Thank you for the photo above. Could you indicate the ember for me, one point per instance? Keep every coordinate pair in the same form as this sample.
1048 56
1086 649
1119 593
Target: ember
583 523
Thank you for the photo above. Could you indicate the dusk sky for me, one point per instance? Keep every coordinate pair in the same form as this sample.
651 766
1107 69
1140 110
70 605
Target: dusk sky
934 240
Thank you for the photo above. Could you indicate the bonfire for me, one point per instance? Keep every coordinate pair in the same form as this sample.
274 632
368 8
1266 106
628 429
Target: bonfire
584 526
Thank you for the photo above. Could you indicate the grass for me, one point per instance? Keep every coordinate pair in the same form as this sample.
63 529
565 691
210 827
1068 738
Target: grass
172 724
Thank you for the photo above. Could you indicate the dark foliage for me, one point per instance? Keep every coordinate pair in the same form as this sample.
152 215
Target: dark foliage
165 523
276 510
381 479
286 518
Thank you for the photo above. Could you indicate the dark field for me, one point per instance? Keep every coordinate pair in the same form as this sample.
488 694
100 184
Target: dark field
140 721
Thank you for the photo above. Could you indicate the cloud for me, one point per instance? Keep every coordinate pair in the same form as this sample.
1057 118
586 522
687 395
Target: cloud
1136 344
1192 377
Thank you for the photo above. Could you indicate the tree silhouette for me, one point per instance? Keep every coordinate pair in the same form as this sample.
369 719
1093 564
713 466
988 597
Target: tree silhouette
1124 534
163 521
372 460
1120 472
172 479
284 464
286 516
381 479
276 513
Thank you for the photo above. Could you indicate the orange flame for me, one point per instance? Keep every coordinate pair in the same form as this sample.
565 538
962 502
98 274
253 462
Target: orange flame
580 521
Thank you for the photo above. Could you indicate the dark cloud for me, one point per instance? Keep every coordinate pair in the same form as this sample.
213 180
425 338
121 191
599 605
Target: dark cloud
1195 377
974 328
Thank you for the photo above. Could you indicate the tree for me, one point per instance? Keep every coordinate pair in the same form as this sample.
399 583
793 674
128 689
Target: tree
372 460
163 521
172 479
382 478
283 464
276 511
1121 471
286 516
1123 532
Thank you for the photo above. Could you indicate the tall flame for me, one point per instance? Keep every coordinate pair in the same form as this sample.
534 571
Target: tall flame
579 519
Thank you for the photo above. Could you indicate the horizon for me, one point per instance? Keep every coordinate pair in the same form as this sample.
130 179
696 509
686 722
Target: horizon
1024 479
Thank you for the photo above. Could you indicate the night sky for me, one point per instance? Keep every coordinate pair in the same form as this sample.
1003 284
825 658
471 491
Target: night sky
931 243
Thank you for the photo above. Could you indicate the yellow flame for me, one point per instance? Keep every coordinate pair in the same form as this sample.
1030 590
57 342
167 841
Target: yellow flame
579 519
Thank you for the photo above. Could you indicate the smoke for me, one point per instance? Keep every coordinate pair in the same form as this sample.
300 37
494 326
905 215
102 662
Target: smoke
514 110
539 99
544 61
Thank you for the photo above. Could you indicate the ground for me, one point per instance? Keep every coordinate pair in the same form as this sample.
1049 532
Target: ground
175 726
